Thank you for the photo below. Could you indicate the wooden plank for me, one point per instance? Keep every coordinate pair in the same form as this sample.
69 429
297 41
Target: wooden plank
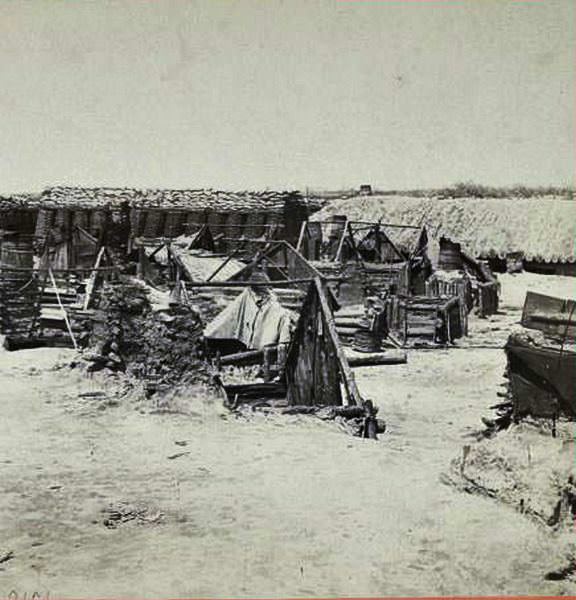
421 332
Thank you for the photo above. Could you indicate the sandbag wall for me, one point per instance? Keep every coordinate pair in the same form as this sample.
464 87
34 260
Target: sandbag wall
228 213
159 223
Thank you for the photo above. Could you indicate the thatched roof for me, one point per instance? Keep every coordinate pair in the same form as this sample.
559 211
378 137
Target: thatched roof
542 228
191 200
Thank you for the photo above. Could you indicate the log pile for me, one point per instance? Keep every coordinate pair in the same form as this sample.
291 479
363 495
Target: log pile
19 302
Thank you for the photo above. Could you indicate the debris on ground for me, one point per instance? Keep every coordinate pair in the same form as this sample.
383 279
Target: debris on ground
177 455
525 467
569 571
122 513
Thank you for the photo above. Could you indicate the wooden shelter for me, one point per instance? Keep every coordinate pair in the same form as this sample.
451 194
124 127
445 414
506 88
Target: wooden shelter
317 370
456 273
363 253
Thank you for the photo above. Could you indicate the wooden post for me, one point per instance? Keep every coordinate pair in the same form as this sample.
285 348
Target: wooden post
341 244
303 227
92 281
405 322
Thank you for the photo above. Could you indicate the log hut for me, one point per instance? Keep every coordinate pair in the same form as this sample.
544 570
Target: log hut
365 254
385 269
47 306
116 216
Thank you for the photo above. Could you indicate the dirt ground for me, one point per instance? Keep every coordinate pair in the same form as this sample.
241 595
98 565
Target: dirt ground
264 507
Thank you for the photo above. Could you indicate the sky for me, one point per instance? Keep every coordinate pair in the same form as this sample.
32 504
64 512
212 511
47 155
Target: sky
254 94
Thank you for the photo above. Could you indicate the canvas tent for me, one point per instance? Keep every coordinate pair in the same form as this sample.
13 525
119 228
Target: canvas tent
256 319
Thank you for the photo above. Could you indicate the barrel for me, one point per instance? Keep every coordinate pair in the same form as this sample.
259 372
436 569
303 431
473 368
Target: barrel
367 341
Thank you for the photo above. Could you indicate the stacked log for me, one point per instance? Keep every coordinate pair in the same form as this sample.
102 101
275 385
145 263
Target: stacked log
19 302
348 321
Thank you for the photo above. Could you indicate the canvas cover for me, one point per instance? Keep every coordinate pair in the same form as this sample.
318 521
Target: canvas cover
256 321
200 265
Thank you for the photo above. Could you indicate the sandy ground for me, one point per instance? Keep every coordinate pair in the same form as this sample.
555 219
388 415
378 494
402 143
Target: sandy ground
264 507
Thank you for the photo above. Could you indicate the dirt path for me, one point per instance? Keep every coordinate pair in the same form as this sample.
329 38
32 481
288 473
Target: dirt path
289 507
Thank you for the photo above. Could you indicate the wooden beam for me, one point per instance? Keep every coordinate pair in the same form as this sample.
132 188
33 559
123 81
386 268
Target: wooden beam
241 284
329 221
228 259
92 280
64 313
378 358
345 232
355 247
303 227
